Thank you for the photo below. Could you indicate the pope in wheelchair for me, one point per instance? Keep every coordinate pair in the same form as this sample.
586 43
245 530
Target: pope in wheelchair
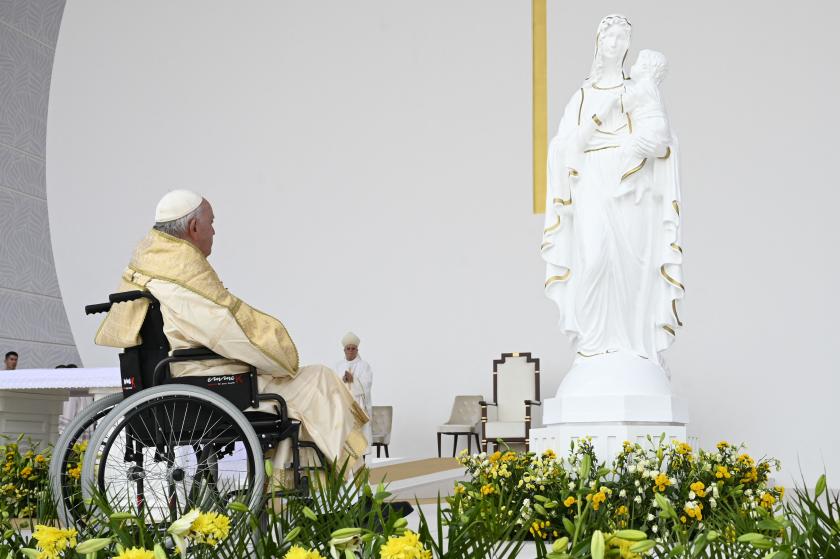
231 385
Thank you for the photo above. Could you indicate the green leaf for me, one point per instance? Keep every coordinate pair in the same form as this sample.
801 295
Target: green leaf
93 545
159 552
630 535
310 514
568 525
751 537
540 509
293 533
643 546
585 467
820 487
597 546
31 553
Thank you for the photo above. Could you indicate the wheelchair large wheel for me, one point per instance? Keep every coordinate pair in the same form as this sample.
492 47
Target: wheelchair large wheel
170 449
65 466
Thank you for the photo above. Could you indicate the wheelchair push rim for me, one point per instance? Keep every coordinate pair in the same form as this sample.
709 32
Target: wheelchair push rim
173 448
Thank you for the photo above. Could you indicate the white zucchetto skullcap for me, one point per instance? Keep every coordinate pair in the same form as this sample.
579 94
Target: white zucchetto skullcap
350 339
176 204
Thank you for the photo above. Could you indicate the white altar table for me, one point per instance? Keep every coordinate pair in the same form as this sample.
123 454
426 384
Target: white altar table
31 400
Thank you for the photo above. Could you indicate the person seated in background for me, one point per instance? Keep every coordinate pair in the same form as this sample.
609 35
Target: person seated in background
358 376
11 360
198 311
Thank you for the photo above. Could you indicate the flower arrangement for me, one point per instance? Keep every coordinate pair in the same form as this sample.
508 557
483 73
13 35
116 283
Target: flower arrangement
573 498
23 477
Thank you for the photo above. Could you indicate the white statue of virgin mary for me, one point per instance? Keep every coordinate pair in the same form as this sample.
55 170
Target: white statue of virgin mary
612 235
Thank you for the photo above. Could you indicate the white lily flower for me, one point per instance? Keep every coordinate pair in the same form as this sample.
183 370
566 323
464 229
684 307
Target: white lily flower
183 524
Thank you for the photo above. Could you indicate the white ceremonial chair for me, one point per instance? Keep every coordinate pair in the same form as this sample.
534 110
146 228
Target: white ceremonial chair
516 405
381 421
465 419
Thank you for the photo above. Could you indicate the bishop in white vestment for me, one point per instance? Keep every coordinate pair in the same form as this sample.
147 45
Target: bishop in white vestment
358 376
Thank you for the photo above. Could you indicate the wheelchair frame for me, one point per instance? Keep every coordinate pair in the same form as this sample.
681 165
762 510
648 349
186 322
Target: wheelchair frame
147 381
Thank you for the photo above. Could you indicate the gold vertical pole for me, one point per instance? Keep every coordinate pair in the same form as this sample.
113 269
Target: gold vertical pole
540 102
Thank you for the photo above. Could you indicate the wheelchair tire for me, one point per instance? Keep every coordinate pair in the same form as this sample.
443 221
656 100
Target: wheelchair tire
66 488
176 438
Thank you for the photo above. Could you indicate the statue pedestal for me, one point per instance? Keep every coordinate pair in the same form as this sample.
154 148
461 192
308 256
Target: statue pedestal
611 398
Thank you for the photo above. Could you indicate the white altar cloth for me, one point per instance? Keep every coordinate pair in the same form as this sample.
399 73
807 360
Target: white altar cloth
32 400
51 379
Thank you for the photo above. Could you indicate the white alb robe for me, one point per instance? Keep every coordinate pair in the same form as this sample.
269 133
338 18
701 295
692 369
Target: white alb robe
360 388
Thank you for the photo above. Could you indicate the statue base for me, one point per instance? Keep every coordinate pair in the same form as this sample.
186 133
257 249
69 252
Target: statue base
607 439
611 398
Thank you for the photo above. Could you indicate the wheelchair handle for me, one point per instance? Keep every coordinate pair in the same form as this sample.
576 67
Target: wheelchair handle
125 296
97 308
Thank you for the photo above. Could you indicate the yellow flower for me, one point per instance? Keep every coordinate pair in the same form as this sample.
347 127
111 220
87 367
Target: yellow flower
781 491
746 459
683 448
699 488
570 501
549 454
750 476
40 458
661 482
598 498
26 472
723 445
407 546
493 458
75 472
297 552
767 501
722 473
210 528
508 456
459 489
53 541
136 553
487 489
694 510
621 511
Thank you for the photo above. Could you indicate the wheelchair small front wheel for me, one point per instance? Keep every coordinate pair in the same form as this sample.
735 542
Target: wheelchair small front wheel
171 449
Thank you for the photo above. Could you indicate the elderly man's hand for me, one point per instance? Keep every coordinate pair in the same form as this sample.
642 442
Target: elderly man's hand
348 376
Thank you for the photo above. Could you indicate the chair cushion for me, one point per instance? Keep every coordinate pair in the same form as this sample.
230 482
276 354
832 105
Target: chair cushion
505 429
455 428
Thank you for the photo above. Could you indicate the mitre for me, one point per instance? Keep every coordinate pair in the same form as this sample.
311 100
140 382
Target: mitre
350 339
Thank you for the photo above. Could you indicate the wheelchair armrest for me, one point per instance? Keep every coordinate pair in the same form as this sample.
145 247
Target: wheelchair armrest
197 353
97 308
178 355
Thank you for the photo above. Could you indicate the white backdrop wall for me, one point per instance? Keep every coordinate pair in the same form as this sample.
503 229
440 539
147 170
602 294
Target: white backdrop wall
370 168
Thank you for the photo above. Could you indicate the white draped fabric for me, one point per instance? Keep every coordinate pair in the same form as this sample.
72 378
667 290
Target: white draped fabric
360 388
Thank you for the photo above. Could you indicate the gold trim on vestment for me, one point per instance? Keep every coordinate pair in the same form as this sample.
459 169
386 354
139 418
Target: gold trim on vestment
634 170
667 153
553 227
676 207
595 86
167 258
562 202
629 123
668 329
573 172
539 105
546 245
677 247
555 279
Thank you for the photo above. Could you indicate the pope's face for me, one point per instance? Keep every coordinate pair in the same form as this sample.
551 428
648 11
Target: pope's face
613 42
350 352
200 230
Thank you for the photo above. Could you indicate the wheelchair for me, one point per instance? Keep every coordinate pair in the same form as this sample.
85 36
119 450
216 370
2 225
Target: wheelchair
166 445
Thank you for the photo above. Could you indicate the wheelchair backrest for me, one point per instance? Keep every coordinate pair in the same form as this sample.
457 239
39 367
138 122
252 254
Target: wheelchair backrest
137 364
